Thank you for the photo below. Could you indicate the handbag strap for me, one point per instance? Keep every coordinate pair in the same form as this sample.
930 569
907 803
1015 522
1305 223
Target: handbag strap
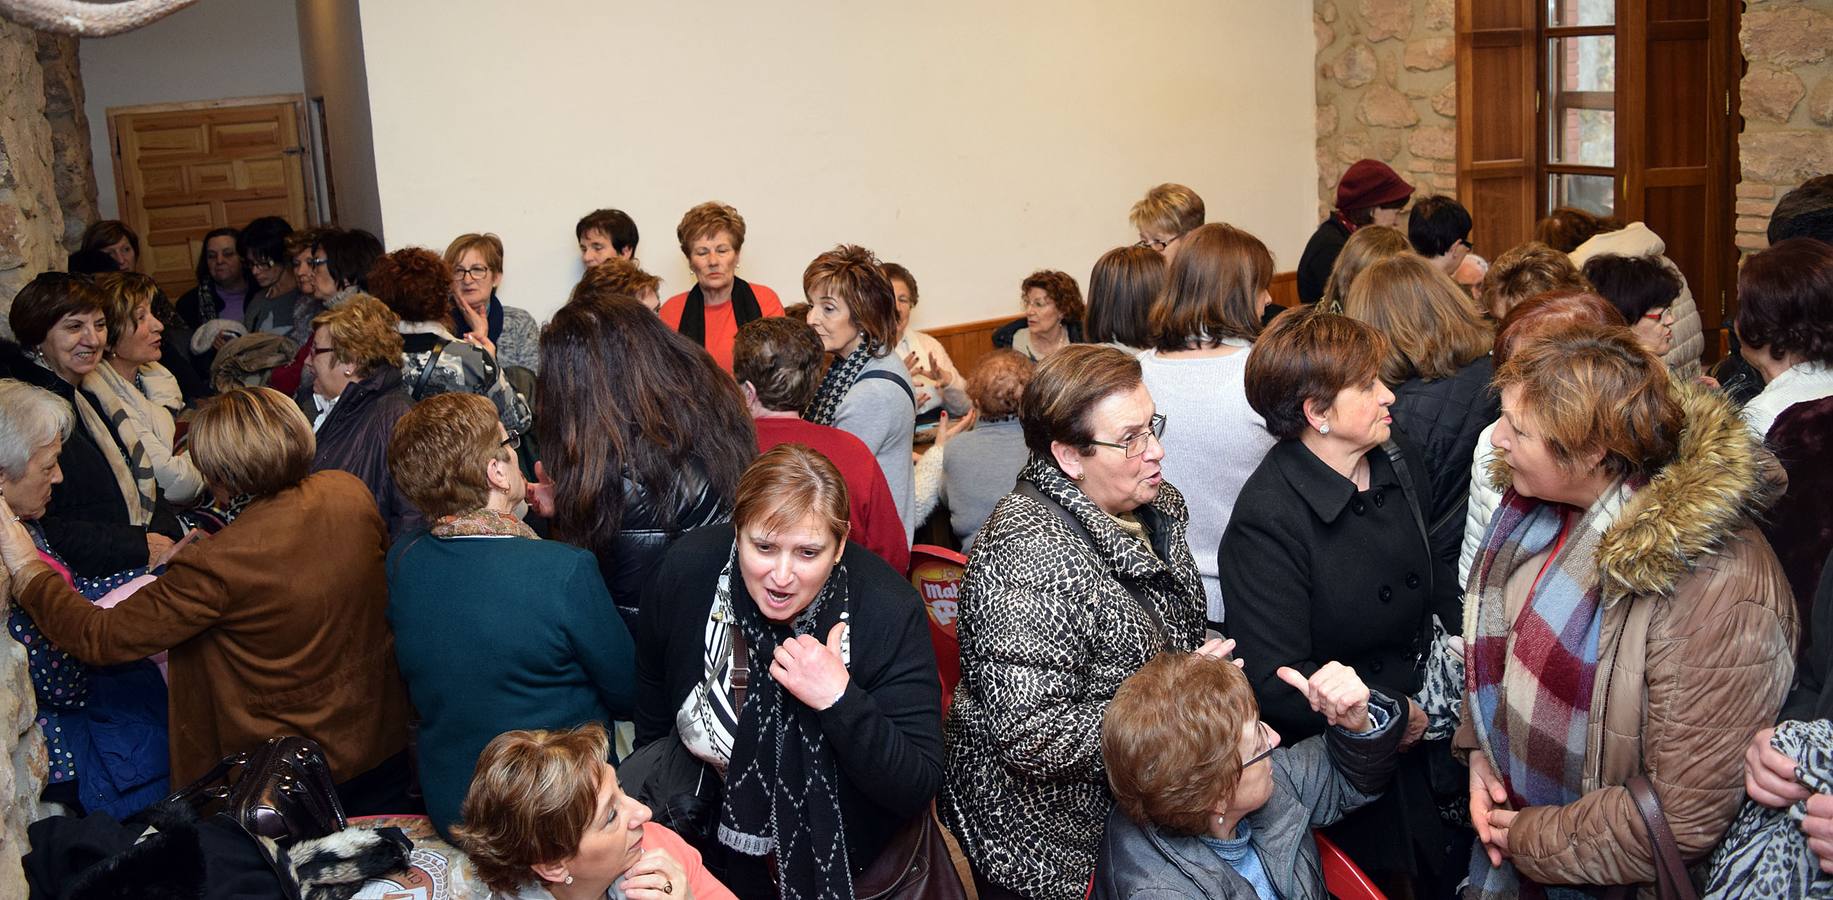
1671 879
418 392
1397 458
741 668
1079 530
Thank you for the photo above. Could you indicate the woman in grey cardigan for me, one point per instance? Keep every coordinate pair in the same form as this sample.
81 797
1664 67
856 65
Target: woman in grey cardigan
867 391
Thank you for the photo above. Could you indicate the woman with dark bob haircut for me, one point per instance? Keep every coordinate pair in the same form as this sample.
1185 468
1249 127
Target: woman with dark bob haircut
1190 821
1078 578
645 436
833 746
275 625
416 283
1121 289
867 391
1630 620
1785 326
1327 558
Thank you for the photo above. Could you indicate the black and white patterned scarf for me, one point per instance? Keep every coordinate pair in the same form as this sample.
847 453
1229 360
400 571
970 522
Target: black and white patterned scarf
839 380
782 790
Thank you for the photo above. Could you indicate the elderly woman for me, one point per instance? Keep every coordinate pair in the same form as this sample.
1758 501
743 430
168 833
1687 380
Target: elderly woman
509 332
104 729
1191 822
834 744
1664 629
1438 367
1078 578
625 278
1369 193
117 240
712 235
340 262
1122 288
1585 236
358 397
1204 324
1053 314
867 391
1327 558
632 465
416 284
107 517
137 395
932 373
559 654
546 818
1366 247
275 625
1524 272
1166 213
1785 326
1643 291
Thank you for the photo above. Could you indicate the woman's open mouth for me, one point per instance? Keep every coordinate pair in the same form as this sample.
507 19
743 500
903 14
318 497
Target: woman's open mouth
778 599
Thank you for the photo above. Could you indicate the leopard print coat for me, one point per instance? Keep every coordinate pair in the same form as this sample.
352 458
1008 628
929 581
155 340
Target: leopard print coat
1048 632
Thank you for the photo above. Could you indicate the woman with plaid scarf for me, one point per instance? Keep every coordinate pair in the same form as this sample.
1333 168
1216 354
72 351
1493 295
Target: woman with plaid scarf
1625 618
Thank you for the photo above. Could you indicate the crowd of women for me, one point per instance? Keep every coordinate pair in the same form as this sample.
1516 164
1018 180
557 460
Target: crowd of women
1464 564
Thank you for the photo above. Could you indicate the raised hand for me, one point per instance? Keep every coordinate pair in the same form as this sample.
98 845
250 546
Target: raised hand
810 670
541 493
1334 691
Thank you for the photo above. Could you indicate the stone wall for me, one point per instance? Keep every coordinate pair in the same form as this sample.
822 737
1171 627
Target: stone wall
1386 90
1787 100
22 765
72 164
31 218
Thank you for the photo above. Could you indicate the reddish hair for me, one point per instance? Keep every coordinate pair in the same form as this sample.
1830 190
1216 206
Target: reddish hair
416 283
1785 299
1059 287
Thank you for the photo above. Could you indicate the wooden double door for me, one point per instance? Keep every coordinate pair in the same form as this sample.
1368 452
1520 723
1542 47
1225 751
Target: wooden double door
184 169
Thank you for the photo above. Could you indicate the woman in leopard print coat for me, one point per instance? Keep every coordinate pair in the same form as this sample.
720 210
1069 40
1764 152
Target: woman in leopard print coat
1080 576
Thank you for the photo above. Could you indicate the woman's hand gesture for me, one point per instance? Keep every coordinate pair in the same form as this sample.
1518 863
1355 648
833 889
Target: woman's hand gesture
1769 777
1335 691
656 876
477 328
541 493
810 670
946 429
16 546
1487 795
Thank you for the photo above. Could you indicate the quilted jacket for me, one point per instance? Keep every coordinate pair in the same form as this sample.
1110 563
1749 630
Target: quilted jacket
1637 240
1049 627
1444 417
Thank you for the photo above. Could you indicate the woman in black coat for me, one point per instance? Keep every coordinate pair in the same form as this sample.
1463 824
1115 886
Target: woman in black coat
836 742
1326 558
357 397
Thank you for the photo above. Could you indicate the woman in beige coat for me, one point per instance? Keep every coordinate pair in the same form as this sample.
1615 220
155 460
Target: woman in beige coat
1627 617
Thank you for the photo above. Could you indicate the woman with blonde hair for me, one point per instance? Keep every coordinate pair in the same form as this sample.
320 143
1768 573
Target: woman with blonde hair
275 625
1364 248
1438 366
508 332
359 396
546 819
139 396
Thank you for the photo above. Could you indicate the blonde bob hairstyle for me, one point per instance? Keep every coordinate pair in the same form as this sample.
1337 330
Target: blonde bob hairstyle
440 450
1171 740
1369 245
488 246
787 484
1212 290
1167 209
1592 390
252 441
1431 327
122 294
532 797
362 332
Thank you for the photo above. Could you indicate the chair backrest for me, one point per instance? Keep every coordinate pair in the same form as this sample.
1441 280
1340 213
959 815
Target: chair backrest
1343 879
937 573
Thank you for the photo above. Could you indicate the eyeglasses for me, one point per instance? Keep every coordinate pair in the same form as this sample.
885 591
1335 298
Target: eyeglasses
1157 244
318 350
260 265
1656 315
1135 444
1467 245
1266 745
317 262
474 273
513 441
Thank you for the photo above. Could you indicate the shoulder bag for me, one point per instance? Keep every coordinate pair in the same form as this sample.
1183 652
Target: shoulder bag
1671 879
281 791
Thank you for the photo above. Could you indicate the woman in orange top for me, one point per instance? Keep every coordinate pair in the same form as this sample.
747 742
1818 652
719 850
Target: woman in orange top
712 235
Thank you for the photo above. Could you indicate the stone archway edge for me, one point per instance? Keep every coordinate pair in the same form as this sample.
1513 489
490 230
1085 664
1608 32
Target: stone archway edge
86 19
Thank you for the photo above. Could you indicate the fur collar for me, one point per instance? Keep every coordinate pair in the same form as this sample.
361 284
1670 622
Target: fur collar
1720 478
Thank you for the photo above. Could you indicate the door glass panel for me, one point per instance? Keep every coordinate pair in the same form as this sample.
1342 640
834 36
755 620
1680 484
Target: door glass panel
1591 193
1581 12
1582 76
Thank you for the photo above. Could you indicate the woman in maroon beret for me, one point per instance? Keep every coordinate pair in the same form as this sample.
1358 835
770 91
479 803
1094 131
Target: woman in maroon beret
1369 193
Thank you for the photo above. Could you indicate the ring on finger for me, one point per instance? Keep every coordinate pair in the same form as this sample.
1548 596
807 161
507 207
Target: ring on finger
668 887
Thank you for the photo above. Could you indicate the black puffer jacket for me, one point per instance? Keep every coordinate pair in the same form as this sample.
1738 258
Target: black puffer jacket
86 521
648 529
1444 418
1050 626
354 439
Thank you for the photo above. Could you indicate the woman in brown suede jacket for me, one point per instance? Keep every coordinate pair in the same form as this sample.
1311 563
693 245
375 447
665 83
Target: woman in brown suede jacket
275 624
1626 617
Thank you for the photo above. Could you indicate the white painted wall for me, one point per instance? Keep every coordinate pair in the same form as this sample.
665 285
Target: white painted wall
971 141
331 50
208 51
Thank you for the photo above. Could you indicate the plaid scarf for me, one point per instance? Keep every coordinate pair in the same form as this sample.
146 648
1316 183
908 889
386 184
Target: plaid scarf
1530 681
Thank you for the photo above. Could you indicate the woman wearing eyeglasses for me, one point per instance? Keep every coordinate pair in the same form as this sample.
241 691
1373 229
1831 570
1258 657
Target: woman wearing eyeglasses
507 331
1326 558
1192 822
1078 578
357 398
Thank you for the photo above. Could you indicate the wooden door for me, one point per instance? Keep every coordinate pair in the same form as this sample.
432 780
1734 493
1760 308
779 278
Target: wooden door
1496 120
184 169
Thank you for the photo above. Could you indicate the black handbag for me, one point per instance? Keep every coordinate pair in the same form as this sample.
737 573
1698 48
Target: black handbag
281 791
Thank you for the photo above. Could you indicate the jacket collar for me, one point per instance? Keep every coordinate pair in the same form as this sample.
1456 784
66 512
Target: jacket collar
1177 863
1324 489
1122 552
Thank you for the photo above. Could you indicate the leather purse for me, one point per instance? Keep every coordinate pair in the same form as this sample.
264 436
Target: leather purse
915 865
1671 879
281 790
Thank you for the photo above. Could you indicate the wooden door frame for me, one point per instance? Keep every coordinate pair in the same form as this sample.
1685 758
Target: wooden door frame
297 101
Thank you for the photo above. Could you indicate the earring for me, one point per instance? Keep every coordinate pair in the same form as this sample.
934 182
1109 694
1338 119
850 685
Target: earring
1323 428
569 879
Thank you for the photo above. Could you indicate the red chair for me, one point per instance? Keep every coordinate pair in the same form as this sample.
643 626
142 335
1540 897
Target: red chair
1343 879
937 573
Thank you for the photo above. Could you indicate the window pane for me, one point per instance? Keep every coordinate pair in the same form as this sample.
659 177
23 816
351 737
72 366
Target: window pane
1581 119
1581 12
1592 193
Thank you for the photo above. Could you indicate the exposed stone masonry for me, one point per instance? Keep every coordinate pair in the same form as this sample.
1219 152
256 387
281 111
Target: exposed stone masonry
1787 101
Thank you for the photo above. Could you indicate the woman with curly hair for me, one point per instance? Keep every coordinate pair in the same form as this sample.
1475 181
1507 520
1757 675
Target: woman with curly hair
712 235
632 465
416 283
358 397
1785 326
1052 304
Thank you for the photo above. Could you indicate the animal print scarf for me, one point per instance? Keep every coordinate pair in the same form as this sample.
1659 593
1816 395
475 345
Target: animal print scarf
137 411
840 378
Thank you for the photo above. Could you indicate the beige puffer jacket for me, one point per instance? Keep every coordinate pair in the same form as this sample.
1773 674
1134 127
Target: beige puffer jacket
1695 654
1637 240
